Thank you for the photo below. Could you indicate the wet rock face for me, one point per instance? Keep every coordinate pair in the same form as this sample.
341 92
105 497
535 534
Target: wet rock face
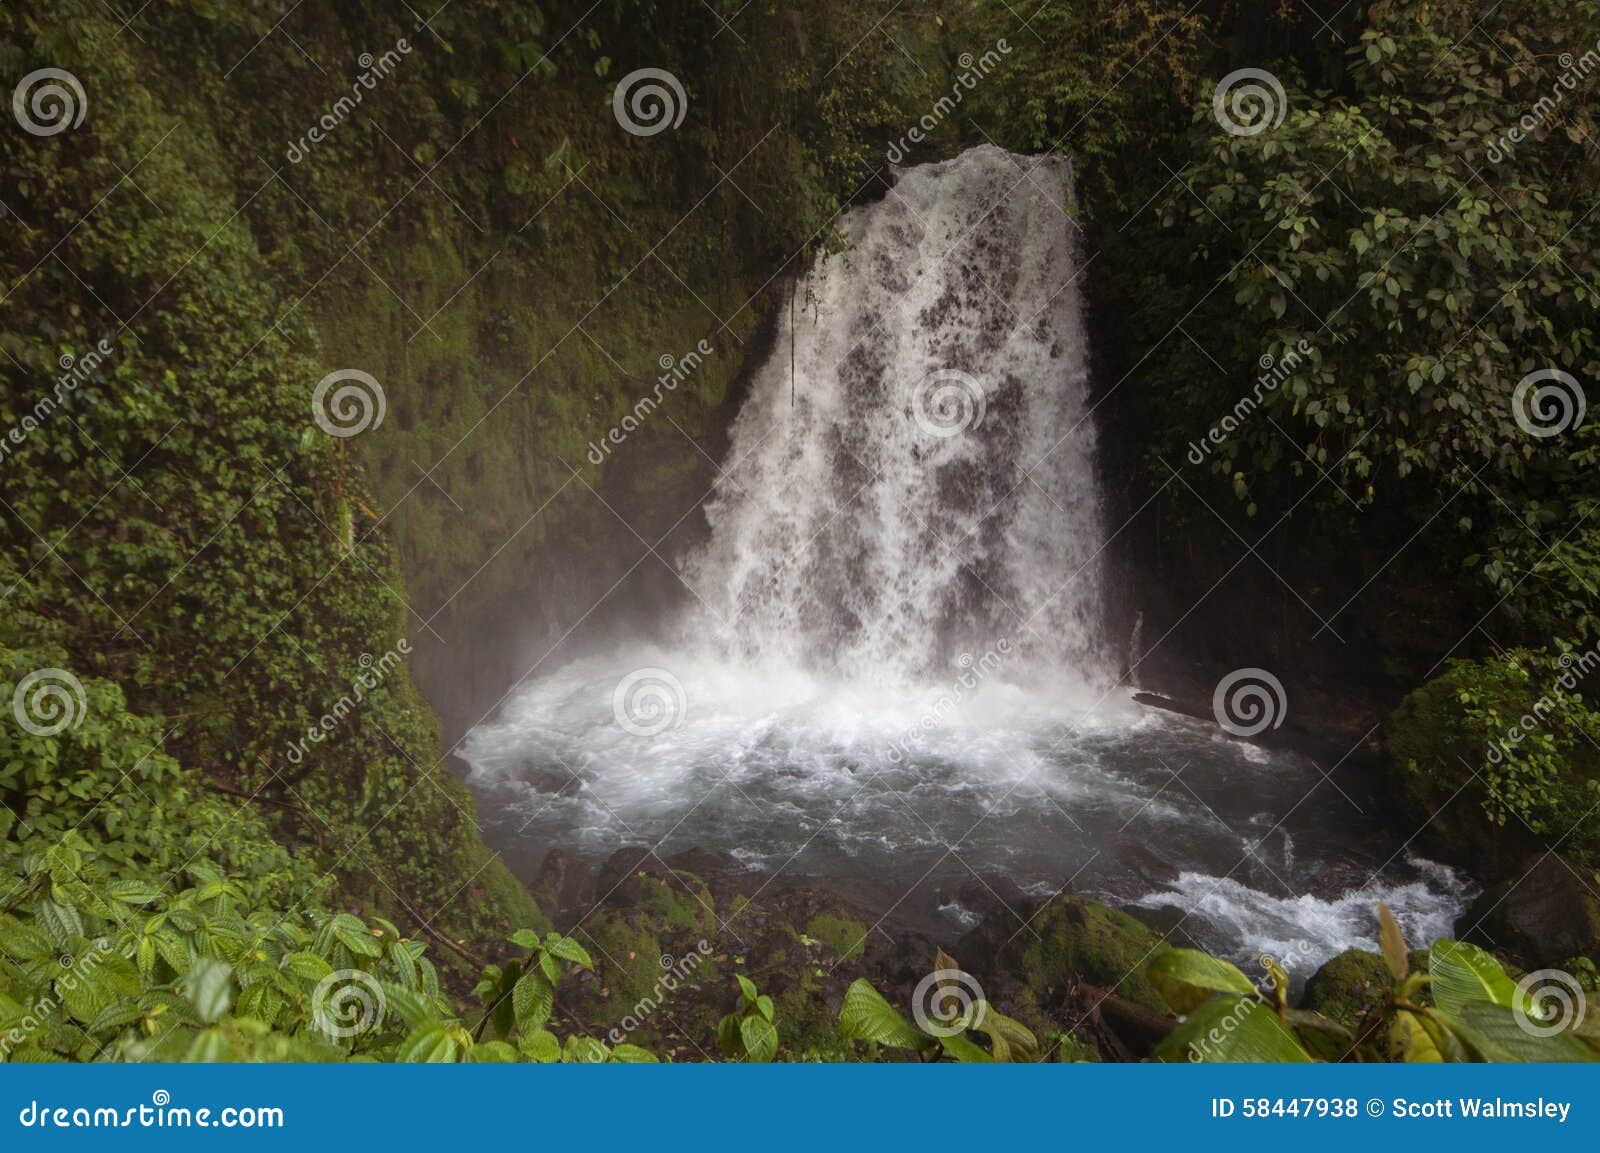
564 884
1545 915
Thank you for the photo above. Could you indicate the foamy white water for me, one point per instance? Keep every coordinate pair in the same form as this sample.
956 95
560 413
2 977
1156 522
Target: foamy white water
892 670
893 517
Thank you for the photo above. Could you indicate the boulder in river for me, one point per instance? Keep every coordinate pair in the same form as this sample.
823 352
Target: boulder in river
1548 913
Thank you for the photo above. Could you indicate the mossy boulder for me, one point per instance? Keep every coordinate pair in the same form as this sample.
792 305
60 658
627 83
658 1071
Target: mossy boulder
1084 941
1352 989
844 938
1496 759
1349 990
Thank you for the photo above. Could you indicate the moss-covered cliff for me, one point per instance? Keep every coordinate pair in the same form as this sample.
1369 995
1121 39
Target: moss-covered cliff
245 198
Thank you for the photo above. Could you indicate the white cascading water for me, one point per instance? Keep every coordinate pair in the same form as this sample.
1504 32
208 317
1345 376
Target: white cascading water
924 483
890 669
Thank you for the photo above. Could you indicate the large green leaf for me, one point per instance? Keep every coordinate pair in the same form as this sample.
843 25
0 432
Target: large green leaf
1227 1029
539 1045
1325 1040
963 1050
1187 977
1410 1041
581 1050
532 1001
209 987
866 1016
433 1045
492 1052
1499 1033
569 950
1464 973
626 1054
760 1038
1011 1040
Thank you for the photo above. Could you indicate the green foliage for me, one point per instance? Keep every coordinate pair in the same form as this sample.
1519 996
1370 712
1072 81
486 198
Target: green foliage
1513 733
1186 978
93 969
749 1034
1403 283
1477 1014
953 1014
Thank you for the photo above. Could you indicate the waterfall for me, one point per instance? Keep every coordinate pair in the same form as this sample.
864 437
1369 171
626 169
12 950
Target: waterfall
931 488
894 651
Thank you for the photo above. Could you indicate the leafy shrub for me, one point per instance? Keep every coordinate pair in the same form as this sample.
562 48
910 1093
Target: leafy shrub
1513 733
95 969
1477 1014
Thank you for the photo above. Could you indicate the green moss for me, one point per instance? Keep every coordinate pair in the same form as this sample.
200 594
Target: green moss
1350 989
1500 756
1084 940
844 938
677 904
628 958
